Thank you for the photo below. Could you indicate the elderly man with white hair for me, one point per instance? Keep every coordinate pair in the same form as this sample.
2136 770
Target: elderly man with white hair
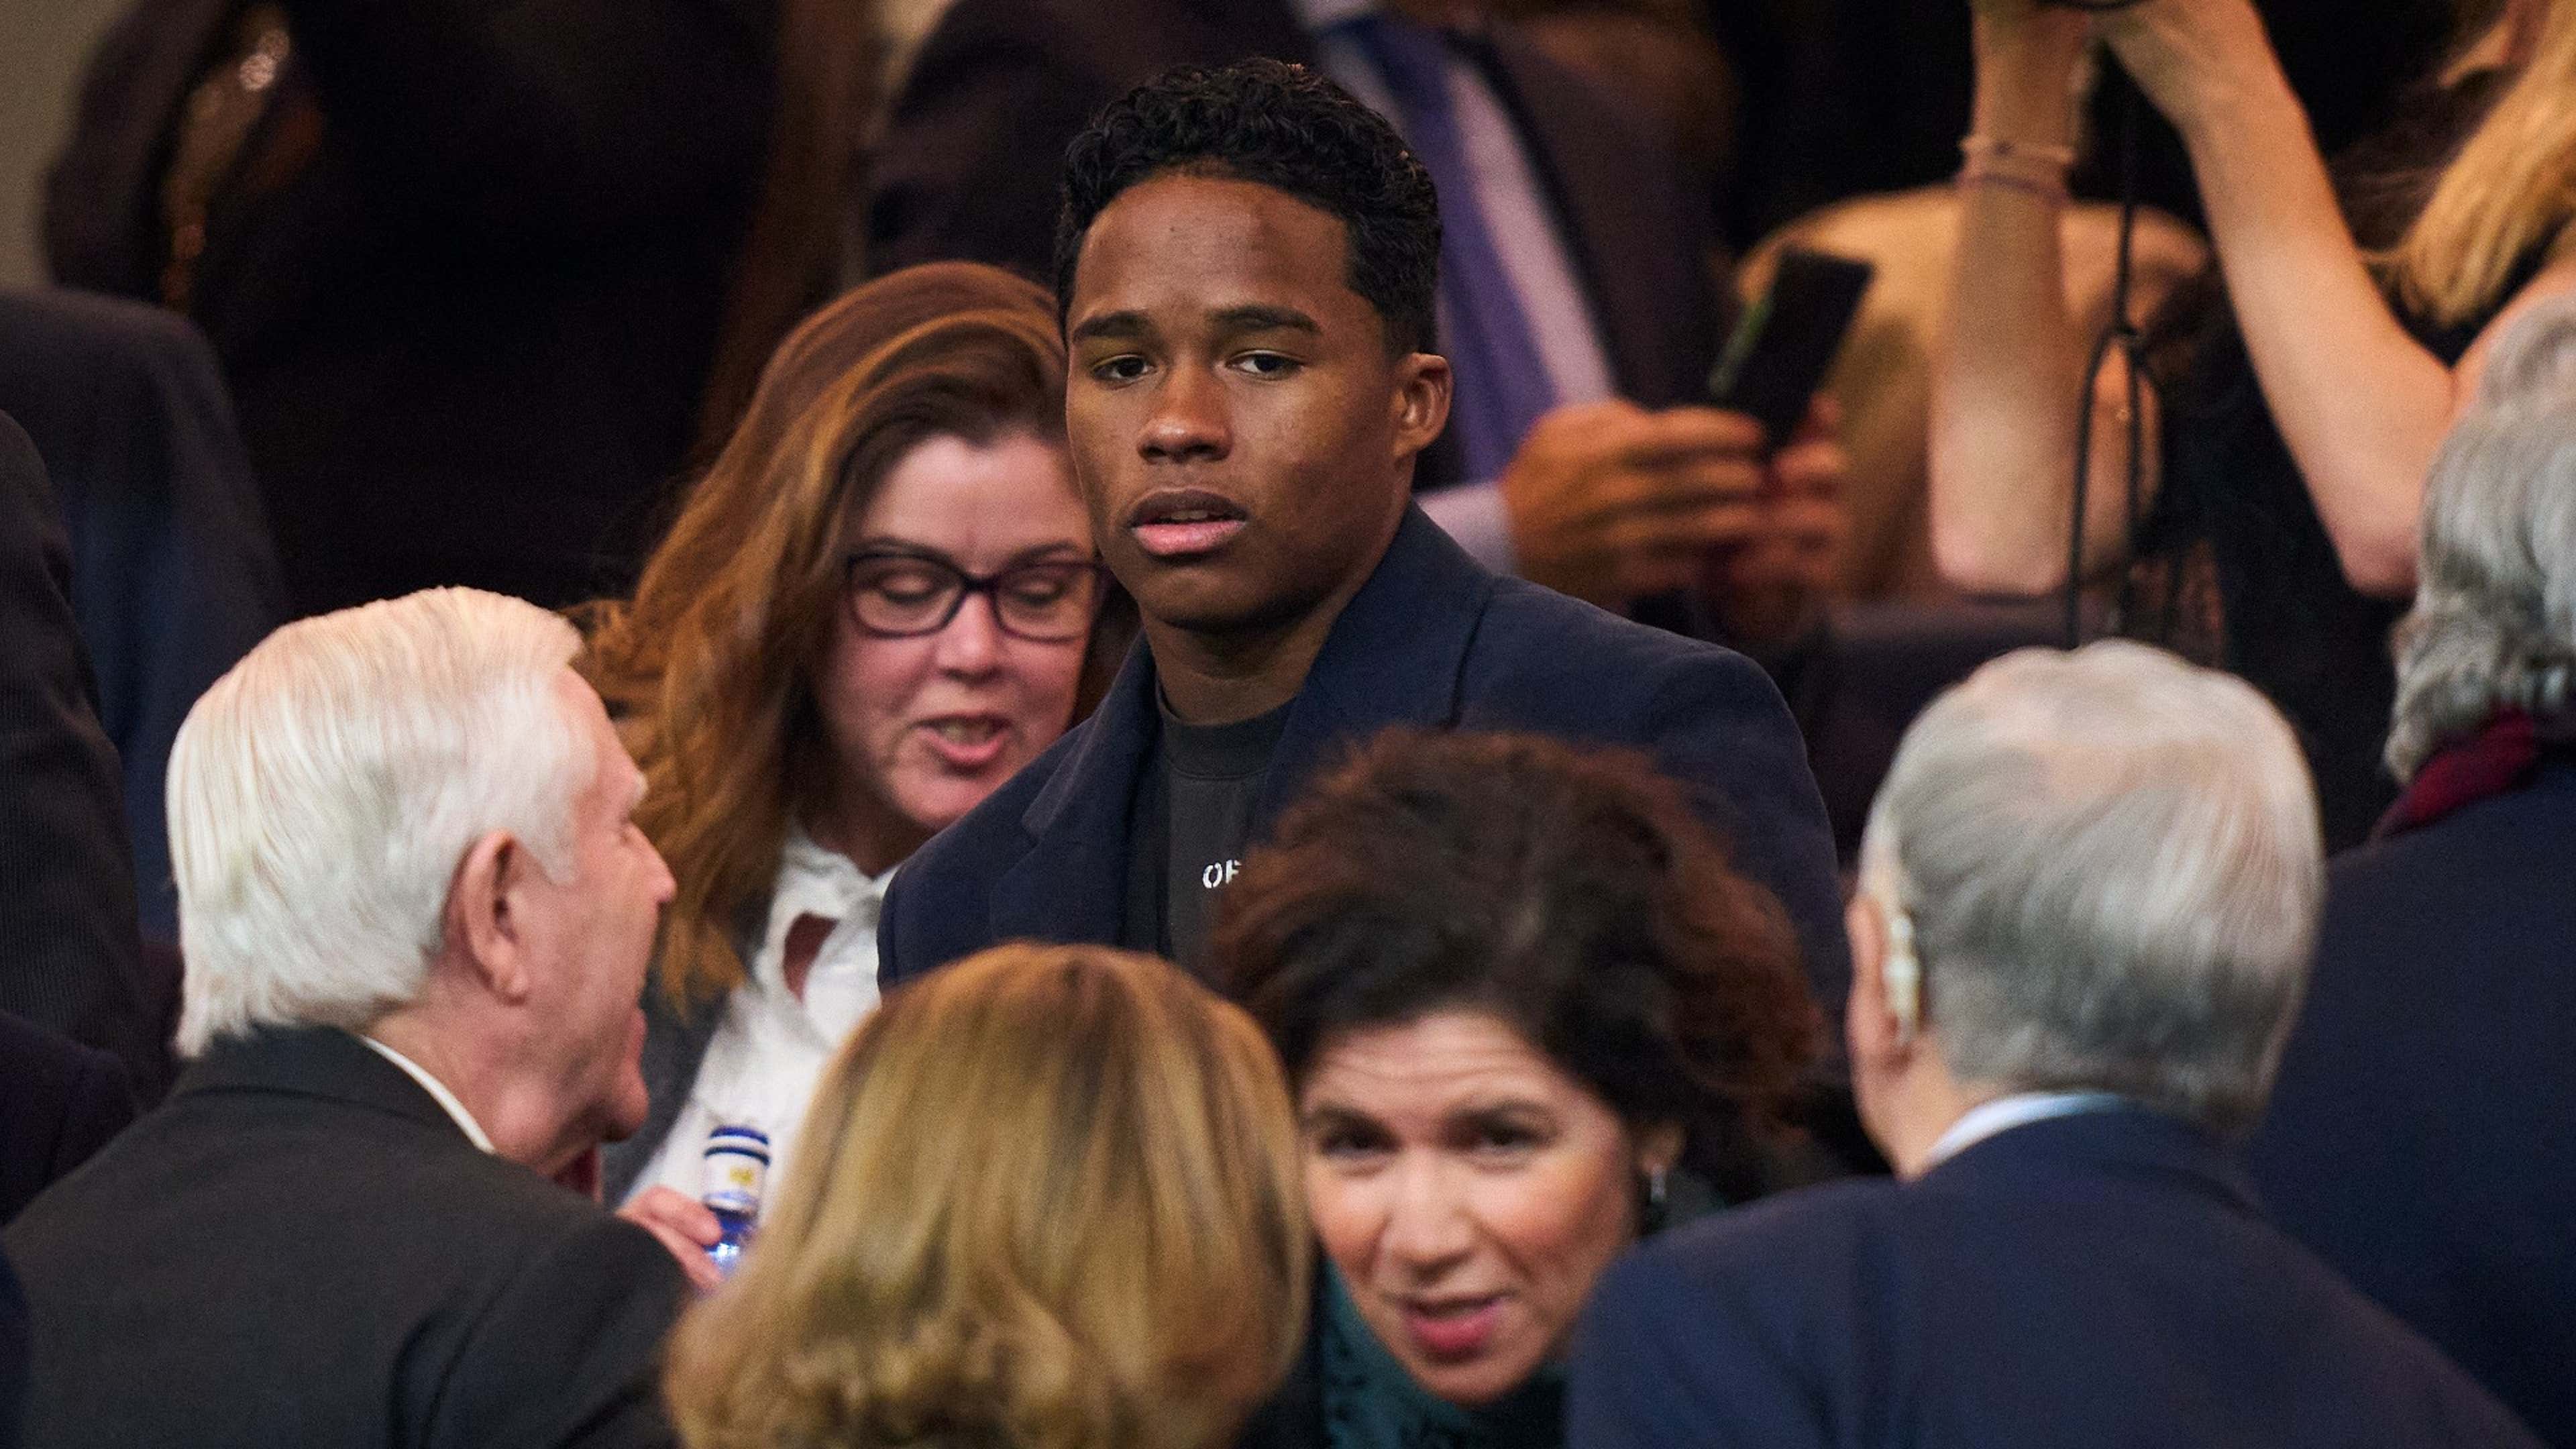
416 919
2423 1136
2087 893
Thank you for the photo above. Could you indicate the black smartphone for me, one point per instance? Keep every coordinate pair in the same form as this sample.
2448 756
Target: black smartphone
1784 342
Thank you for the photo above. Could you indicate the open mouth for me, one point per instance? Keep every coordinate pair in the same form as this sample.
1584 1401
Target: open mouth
1453 1328
967 741
1179 522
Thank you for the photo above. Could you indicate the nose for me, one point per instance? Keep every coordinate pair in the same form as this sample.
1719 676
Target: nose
1429 1229
664 885
970 647
1188 421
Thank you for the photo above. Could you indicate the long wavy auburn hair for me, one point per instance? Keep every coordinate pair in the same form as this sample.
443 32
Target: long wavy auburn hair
1051 1197
709 667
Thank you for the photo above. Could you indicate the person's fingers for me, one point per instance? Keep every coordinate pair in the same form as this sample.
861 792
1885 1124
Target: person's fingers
1685 435
668 1208
692 1258
1682 488
1824 419
1683 533
1811 527
1815 468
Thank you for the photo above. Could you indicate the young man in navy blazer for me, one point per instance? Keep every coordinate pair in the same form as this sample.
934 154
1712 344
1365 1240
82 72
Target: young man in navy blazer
1246 263
2087 895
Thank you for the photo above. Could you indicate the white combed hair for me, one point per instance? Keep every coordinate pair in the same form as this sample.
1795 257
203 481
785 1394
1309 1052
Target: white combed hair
2112 864
2494 623
323 792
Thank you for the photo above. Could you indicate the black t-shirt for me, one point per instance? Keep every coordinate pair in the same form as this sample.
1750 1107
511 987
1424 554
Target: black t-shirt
1191 822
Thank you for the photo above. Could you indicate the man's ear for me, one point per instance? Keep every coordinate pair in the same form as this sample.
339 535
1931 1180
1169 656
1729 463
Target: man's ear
486 914
1422 387
1875 1031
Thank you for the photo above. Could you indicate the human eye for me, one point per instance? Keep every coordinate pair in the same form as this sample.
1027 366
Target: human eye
1349 1144
1039 585
899 581
1123 368
1503 1139
1267 364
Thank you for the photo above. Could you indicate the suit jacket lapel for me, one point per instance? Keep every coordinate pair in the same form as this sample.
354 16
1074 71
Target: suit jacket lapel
1072 883
1393 658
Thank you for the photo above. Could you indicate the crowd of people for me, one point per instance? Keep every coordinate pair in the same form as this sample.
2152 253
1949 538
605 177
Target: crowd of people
1225 808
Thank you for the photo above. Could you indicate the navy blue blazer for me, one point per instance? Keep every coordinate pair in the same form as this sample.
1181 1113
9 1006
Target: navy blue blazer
2099 1280
2420 1137
1432 639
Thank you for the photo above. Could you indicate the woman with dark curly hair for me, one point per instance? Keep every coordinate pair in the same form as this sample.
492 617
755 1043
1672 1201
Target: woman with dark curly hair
1529 1012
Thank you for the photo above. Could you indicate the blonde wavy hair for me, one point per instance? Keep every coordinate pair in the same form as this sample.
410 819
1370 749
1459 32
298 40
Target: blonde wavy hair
1051 1199
709 668
2511 187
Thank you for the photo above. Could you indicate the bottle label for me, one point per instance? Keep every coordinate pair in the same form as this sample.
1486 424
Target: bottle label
736 1170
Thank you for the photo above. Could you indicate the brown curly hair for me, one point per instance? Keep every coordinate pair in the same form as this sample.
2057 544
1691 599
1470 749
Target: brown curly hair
1571 892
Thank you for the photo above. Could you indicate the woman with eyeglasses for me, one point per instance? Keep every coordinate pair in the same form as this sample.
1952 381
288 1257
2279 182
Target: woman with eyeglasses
879 603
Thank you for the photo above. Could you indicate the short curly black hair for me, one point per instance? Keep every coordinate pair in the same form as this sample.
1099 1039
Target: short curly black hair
1281 126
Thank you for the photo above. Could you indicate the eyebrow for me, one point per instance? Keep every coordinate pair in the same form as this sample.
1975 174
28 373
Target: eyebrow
889 546
1257 318
1249 317
1116 326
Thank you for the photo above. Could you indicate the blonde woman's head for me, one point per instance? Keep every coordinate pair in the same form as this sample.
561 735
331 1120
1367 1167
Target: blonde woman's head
1047 1198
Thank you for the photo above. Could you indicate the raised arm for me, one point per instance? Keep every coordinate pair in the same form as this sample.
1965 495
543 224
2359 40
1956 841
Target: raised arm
2361 404
2008 364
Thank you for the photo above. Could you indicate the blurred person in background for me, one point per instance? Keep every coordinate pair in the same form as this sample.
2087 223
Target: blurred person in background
879 604
1530 1013
417 915
480 275
1051 1203
1576 301
70 955
2420 1138
2289 418
2086 902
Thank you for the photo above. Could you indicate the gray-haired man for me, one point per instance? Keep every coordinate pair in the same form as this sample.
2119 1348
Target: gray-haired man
2087 894
417 918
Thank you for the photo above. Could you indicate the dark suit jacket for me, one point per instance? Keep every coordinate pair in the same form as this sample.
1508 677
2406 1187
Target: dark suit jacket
173 575
2103 1279
69 956
300 1247
971 162
2421 1138
1433 640
59 1104
465 280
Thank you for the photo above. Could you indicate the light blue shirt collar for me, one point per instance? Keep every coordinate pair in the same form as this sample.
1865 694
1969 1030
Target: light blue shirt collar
2003 1114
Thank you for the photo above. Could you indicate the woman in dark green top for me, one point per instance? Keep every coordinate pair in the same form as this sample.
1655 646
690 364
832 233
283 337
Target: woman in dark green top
1528 1012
